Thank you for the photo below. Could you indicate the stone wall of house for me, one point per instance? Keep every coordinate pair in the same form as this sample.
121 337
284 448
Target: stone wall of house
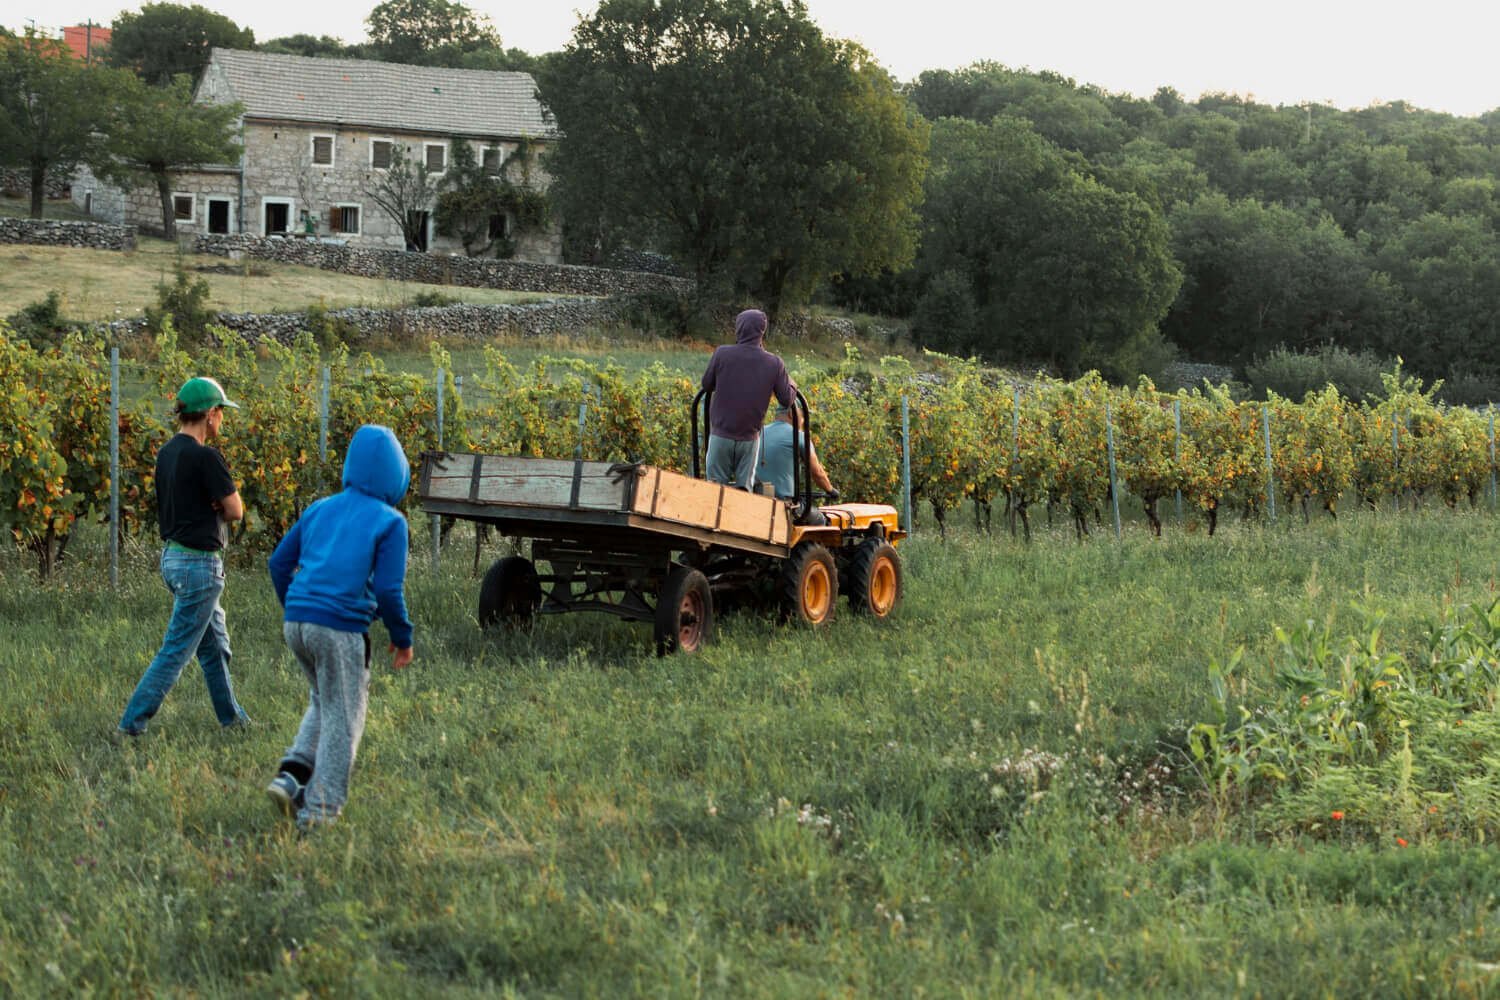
55 232
16 182
469 272
103 201
462 321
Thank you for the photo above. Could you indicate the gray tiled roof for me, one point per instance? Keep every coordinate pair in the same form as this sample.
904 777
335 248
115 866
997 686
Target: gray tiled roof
381 95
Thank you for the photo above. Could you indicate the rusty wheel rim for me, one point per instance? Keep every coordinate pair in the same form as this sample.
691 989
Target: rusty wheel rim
817 592
883 586
690 618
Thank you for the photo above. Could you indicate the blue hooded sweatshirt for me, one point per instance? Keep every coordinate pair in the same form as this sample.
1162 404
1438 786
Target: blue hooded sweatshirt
344 561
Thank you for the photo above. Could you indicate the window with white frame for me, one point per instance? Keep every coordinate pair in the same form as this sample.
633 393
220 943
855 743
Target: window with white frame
322 150
435 156
493 157
344 218
182 207
380 153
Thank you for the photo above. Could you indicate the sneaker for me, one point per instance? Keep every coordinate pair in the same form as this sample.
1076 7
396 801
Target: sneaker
285 794
122 736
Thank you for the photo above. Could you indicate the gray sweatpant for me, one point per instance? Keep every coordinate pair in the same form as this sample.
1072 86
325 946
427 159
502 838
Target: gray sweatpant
731 462
337 665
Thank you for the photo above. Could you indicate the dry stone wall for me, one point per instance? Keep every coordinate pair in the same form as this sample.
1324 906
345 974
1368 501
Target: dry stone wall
58 233
469 272
462 321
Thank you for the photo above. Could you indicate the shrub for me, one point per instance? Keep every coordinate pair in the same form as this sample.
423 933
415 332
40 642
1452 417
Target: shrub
1293 374
185 301
1471 388
946 317
430 299
41 324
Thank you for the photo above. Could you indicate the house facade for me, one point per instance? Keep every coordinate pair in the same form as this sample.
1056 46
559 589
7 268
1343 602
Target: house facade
319 136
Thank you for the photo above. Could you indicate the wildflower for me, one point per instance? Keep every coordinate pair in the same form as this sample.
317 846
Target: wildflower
1400 841
1431 809
1338 815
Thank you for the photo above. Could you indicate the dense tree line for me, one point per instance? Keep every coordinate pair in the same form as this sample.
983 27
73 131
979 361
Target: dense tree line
1371 229
1017 216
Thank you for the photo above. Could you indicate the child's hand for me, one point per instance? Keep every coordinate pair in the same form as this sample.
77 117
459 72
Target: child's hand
400 657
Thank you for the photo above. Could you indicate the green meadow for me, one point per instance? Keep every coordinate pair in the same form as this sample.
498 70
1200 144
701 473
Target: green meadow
989 795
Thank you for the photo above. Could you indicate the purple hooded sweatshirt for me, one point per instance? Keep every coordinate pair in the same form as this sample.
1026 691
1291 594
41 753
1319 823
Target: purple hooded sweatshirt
742 376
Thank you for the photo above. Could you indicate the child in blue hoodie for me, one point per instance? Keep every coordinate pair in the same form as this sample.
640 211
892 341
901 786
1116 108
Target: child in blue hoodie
342 565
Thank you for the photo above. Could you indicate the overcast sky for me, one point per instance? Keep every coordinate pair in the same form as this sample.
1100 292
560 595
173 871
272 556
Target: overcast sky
1437 54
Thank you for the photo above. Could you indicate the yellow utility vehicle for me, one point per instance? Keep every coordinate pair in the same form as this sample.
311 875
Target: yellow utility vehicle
652 545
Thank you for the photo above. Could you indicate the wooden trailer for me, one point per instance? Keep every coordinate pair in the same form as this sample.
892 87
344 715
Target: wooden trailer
652 545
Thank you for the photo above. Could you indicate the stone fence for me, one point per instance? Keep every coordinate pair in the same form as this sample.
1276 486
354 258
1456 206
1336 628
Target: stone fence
469 272
460 321
57 233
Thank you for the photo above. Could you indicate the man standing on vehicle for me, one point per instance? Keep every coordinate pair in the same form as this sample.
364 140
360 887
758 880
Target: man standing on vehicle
742 377
195 499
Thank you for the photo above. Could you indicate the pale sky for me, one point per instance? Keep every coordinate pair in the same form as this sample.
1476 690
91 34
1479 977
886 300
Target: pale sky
1437 54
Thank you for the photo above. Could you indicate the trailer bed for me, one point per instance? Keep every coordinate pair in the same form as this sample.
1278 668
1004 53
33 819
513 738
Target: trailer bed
557 498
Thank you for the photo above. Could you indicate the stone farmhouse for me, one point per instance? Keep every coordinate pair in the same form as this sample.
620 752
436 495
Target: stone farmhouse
317 134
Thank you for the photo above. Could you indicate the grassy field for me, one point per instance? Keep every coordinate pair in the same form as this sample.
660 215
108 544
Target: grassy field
102 285
792 813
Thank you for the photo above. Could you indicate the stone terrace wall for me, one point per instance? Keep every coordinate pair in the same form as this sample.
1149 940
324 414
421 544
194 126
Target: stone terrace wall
470 272
52 232
462 321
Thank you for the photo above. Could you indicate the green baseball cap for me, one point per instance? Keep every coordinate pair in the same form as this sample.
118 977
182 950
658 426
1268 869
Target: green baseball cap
199 395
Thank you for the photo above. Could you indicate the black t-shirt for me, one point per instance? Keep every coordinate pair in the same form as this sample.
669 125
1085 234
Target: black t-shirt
190 478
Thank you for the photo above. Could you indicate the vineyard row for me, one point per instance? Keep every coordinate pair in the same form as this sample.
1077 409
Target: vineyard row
1041 443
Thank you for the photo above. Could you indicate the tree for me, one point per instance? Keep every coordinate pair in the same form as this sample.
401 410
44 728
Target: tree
317 46
1061 269
405 192
165 39
54 110
428 32
160 130
474 197
731 133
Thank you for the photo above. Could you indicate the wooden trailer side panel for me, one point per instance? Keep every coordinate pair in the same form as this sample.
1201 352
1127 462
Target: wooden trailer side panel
672 496
528 482
488 482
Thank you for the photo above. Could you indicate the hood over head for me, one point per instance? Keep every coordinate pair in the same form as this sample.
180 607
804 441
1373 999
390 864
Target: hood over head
750 327
376 465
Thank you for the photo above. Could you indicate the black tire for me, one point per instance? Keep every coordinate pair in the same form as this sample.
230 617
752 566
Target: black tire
875 579
684 612
510 594
809 584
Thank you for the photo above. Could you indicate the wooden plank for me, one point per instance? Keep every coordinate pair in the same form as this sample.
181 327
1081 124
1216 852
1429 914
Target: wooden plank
746 514
645 491
687 500
512 481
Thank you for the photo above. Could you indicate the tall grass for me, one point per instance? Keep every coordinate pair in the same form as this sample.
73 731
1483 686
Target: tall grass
791 813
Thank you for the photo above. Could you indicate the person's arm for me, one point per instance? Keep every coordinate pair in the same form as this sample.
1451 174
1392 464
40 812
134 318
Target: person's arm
784 387
389 583
231 508
284 560
219 484
819 474
711 373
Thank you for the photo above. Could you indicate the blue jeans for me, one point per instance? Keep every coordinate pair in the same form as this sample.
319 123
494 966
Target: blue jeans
196 579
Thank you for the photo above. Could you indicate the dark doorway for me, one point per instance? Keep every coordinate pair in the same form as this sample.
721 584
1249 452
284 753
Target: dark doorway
218 216
418 226
278 213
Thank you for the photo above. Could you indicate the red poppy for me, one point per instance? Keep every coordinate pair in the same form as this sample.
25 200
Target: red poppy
1337 814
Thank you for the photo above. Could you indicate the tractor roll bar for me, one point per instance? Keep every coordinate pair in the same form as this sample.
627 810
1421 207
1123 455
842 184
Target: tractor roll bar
801 440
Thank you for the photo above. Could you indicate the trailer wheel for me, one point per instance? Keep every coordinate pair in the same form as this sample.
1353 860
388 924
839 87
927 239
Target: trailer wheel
684 612
809 584
510 594
874 579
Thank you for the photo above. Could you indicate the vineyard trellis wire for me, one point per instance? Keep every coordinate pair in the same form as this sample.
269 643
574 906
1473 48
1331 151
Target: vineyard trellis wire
77 440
